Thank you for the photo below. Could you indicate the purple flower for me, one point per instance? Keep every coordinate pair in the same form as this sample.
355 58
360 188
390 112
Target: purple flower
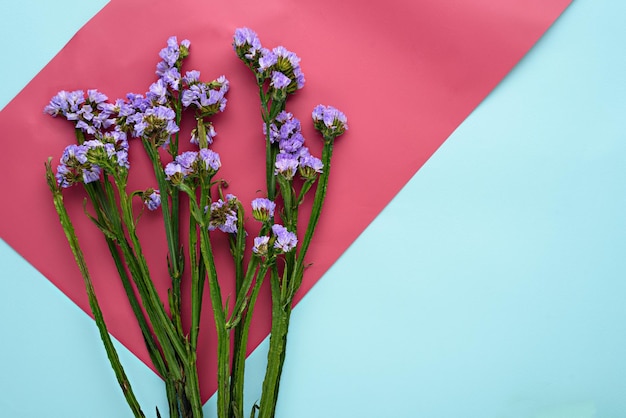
171 77
209 159
91 174
224 215
74 155
285 240
170 54
90 115
192 77
221 83
174 172
156 123
286 165
65 102
263 209
289 63
108 150
85 127
267 60
186 159
310 166
292 144
208 98
158 92
330 121
138 102
247 45
72 164
279 80
210 134
246 37
152 199
261 245
285 128
95 97
284 116
64 176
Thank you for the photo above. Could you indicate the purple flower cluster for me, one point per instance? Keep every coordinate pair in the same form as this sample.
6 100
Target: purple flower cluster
293 155
208 98
152 199
263 209
83 163
285 240
172 56
90 114
150 117
153 117
224 215
279 65
157 123
261 245
74 167
209 131
247 46
331 122
191 164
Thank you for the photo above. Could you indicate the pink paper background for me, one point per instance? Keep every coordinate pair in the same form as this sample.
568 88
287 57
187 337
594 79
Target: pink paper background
406 76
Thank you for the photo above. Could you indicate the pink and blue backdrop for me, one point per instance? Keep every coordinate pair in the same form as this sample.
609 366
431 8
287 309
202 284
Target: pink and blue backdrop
491 285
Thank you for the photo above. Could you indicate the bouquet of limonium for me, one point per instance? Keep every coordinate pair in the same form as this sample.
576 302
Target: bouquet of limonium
100 163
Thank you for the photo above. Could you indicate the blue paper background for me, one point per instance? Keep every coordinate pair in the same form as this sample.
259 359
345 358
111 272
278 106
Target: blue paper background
492 286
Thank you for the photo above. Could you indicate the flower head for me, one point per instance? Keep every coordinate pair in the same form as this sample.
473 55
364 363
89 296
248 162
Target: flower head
152 199
285 240
172 55
156 123
209 160
209 131
247 46
330 121
288 63
224 215
263 209
261 245
207 98
280 80
310 166
174 172
266 61
90 114
286 165
75 167
65 102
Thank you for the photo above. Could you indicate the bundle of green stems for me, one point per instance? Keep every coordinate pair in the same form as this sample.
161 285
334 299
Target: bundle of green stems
99 163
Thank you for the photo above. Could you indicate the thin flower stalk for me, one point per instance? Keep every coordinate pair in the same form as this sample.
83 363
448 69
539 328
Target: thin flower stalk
72 239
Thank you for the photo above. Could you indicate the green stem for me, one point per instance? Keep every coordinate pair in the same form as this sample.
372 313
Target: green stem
108 213
281 314
223 339
282 296
192 387
166 333
72 239
240 348
318 201
104 213
171 226
197 282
